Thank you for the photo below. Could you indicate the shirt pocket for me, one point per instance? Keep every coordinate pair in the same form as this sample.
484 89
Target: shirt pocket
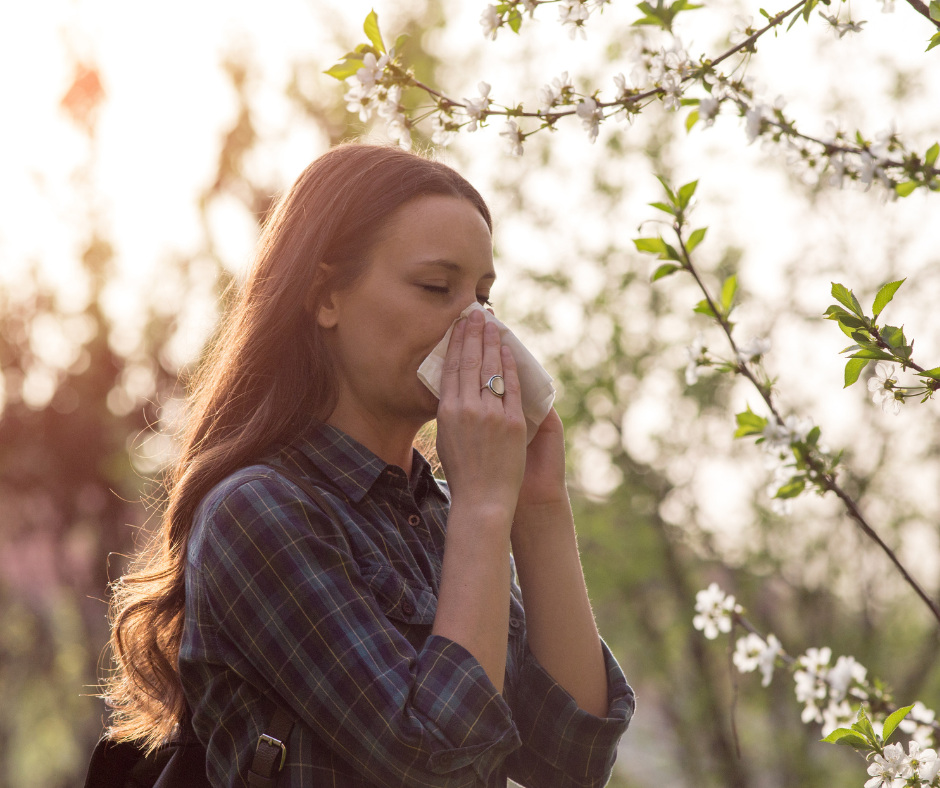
405 604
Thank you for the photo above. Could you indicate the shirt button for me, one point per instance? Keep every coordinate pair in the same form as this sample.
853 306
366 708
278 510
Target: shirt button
414 520
407 608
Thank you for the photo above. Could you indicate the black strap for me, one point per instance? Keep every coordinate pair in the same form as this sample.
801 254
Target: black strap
271 751
272 745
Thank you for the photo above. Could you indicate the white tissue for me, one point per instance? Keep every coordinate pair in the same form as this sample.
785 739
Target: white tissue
536 384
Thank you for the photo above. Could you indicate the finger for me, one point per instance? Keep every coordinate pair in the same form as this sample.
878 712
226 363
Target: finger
471 357
492 364
450 372
512 399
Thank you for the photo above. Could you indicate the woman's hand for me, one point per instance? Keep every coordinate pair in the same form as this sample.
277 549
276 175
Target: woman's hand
544 481
481 436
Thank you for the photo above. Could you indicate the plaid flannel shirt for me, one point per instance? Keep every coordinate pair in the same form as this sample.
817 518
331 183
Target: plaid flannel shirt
332 621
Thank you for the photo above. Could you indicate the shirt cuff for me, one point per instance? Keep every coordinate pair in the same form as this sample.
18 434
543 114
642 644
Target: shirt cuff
575 742
463 710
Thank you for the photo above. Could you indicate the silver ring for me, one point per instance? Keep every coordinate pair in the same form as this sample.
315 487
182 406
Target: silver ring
496 385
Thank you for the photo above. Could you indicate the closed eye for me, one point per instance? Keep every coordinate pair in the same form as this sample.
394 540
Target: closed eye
442 290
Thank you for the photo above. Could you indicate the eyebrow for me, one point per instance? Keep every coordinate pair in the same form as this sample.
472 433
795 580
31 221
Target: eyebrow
452 266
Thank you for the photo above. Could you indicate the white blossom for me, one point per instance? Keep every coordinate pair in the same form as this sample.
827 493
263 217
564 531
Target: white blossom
924 764
842 674
558 89
753 118
885 770
882 384
697 353
476 107
708 109
672 90
397 124
372 69
441 134
752 652
811 686
591 116
837 715
491 22
514 137
742 24
573 14
887 6
360 99
919 724
841 28
747 652
673 59
714 611
624 86
753 349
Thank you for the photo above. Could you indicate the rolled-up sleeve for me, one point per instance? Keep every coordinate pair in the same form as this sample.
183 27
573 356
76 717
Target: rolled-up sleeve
278 575
564 746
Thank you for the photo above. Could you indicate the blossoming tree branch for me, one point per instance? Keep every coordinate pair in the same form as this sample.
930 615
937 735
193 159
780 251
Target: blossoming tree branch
377 77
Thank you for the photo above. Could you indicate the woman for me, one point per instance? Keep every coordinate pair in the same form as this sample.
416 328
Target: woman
390 628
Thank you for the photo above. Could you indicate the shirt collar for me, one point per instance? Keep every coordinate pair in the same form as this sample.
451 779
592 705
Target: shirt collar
353 467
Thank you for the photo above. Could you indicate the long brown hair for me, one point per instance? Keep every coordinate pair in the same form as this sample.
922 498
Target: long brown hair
265 378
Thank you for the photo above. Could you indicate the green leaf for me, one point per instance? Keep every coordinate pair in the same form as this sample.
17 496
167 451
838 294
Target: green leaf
852 322
654 245
847 736
728 289
860 337
665 270
672 196
850 349
813 436
904 189
853 369
792 488
934 41
663 207
807 9
931 155
691 120
515 21
864 727
886 294
894 336
400 43
371 29
696 238
935 11
342 71
933 374
686 192
703 308
872 353
672 254
749 423
845 297
792 21
835 313
892 722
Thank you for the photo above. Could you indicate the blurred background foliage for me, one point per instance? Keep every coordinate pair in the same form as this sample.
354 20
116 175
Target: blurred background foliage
665 502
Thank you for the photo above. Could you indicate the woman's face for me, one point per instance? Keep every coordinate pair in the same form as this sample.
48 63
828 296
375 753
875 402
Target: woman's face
434 259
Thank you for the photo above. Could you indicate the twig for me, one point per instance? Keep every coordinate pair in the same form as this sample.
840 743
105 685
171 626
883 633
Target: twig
827 481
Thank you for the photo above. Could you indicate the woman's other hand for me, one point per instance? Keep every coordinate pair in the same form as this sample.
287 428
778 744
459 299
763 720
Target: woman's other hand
481 436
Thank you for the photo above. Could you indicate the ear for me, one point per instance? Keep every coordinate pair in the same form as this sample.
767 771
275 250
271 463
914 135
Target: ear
327 313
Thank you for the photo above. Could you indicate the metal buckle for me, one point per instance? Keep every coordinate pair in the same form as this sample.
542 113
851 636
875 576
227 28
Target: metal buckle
272 742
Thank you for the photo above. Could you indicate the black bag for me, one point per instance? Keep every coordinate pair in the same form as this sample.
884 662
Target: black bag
182 764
